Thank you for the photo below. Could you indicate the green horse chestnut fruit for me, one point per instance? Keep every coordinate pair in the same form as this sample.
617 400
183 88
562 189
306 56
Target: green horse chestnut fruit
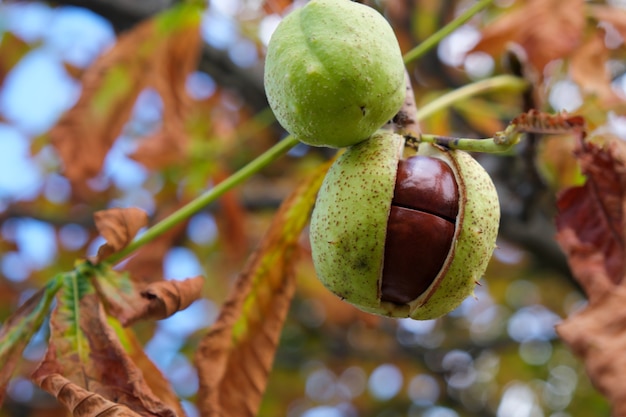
404 237
334 73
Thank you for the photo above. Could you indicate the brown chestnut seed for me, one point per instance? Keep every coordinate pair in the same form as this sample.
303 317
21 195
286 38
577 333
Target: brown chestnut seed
420 228
379 245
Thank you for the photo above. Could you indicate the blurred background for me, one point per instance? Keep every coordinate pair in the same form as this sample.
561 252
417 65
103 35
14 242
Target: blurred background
496 355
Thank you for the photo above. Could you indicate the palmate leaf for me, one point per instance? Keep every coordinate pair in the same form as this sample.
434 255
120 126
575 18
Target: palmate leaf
234 359
20 327
86 352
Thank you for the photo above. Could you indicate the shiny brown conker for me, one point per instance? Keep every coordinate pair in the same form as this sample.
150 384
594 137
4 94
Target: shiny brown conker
420 229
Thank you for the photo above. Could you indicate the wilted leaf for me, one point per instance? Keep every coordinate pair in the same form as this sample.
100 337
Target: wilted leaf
597 334
128 300
544 28
118 226
158 53
591 218
152 375
164 298
118 290
589 71
86 351
18 329
235 357
146 264
591 232
83 403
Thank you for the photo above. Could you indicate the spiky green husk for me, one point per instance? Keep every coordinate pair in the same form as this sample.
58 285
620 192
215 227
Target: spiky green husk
334 73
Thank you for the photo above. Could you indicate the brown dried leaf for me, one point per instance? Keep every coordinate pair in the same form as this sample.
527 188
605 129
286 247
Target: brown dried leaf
118 226
164 298
588 69
83 403
146 265
85 350
591 231
544 28
591 218
158 53
178 59
598 335
234 359
152 375
161 149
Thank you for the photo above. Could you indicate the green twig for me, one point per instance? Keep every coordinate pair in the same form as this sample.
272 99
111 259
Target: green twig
208 197
484 145
436 37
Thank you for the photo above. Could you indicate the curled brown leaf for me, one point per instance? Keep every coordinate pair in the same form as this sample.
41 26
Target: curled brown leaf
81 402
118 226
164 298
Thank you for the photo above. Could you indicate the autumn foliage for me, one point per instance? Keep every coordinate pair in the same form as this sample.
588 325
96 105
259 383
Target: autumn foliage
97 308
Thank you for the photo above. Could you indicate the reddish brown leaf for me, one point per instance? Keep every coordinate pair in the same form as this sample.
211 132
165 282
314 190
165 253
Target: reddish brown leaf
179 58
235 357
146 265
589 71
118 226
164 298
152 375
161 149
544 28
598 335
591 231
591 218
81 402
158 53
85 350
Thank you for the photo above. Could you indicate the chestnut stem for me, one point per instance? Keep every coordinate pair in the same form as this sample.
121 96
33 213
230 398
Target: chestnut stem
209 196
485 145
532 121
